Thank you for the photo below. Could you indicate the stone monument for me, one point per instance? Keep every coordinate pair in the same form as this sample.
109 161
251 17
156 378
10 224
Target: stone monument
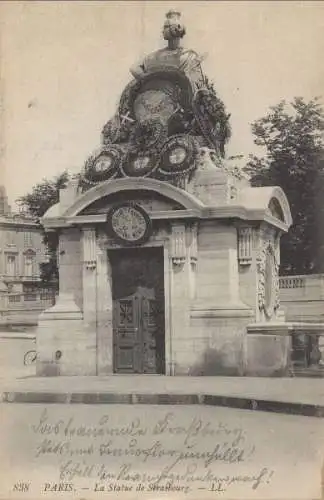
168 258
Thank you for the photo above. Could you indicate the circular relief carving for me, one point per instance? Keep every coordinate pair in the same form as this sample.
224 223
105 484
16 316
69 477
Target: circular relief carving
154 102
129 224
177 156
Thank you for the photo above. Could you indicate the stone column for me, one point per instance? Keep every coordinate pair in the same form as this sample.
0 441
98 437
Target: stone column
62 345
104 313
3 301
248 246
183 256
192 256
89 277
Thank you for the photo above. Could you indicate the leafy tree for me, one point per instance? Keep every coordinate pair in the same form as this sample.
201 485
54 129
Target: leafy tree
291 135
42 196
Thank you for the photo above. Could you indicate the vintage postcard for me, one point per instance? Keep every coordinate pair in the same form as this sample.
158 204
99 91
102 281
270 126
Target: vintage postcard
161 250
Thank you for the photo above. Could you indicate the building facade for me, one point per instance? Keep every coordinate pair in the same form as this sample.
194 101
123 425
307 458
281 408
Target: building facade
21 252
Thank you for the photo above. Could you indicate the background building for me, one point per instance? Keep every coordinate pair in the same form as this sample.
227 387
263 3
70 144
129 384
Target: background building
21 252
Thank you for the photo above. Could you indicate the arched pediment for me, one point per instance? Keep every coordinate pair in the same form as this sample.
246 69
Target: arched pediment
109 188
270 199
29 252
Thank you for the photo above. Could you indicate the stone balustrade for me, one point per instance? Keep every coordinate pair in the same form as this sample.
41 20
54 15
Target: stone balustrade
292 282
302 297
24 308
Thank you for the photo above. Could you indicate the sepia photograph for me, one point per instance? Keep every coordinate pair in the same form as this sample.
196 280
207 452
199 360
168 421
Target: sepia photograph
162 250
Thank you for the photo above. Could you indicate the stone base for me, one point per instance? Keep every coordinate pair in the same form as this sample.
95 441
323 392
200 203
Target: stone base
268 349
64 346
216 341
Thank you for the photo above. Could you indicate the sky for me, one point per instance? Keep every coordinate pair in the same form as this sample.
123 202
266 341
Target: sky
65 64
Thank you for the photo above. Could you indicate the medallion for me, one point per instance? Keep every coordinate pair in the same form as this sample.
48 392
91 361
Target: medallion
154 103
129 224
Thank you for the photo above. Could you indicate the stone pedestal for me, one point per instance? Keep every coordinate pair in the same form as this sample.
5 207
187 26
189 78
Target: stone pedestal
219 333
63 346
213 187
268 349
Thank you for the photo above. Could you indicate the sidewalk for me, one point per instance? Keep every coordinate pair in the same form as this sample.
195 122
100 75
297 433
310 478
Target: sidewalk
302 396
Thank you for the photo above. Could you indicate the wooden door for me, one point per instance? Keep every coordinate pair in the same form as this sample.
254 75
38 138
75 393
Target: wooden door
138 317
127 338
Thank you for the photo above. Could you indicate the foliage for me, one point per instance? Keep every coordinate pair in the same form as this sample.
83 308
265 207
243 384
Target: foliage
221 117
42 196
291 135
214 113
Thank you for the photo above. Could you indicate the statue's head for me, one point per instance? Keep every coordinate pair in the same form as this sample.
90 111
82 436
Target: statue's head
173 29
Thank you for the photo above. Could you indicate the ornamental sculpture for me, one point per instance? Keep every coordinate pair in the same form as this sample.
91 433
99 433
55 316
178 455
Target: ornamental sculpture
166 114
268 277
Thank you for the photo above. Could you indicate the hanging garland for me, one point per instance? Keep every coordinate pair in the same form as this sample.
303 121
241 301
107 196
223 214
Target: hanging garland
211 116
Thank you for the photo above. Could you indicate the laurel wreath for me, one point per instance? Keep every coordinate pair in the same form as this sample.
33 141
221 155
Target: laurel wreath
188 164
128 168
116 154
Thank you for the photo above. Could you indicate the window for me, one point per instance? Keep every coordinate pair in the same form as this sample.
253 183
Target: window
30 297
28 239
275 209
10 237
30 293
29 288
29 264
14 298
11 265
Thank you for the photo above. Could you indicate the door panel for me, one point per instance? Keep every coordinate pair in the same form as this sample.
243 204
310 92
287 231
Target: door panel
149 328
126 335
138 318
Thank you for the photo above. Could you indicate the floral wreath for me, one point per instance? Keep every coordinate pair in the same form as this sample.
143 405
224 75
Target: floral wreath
114 154
139 163
167 168
150 135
